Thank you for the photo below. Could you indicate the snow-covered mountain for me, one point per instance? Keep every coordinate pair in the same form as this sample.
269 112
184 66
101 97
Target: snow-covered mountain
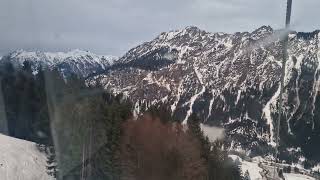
76 61
229 80
21 159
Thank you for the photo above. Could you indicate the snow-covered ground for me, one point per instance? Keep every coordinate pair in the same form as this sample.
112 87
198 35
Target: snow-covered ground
21 160
255 171
252 167
292 176
316 168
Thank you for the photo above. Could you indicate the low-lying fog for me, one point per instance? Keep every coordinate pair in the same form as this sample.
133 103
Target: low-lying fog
212 132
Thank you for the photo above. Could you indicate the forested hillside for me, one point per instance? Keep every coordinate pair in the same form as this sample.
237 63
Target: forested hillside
90 134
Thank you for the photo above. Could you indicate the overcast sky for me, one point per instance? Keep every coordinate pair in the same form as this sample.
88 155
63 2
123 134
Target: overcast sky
115 26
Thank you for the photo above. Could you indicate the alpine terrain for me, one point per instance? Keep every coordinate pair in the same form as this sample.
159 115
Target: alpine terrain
230 81
227 80
81 63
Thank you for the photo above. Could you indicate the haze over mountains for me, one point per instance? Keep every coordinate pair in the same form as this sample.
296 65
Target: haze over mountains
228 80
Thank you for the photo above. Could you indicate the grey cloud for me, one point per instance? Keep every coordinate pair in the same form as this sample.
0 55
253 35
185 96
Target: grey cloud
115 26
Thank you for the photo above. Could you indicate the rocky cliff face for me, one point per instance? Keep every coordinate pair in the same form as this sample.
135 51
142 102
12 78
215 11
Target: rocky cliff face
228 80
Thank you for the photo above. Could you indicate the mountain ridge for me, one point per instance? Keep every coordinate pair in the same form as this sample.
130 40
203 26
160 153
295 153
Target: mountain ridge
75 61
229 80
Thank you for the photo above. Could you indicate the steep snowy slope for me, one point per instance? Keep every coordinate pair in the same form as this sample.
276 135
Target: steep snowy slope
229 80
76 61
21 160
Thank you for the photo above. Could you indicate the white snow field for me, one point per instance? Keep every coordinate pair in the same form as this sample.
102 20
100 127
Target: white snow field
21 160
292 176
255 171
252 167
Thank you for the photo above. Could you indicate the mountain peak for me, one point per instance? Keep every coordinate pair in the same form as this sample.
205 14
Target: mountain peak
263 30
192 29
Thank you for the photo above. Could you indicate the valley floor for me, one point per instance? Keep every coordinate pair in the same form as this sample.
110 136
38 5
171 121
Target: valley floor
260 169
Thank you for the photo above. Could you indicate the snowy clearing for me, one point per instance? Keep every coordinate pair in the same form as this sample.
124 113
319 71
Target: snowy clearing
253 168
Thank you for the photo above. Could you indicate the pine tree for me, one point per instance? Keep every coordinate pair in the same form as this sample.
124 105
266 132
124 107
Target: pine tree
41 124
246 175
88 128
8 73
52 168
162 112
195 129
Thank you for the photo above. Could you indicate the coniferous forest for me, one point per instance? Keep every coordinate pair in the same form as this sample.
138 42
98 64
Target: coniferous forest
89 134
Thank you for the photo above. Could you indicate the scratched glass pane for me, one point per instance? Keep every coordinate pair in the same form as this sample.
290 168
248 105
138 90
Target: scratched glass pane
159 90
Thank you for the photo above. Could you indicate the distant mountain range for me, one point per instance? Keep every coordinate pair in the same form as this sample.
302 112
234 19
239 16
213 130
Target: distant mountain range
76 61
228 80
